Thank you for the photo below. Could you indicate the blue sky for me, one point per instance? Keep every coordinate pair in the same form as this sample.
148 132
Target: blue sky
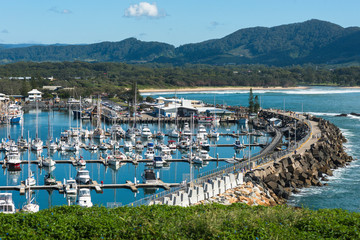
172 21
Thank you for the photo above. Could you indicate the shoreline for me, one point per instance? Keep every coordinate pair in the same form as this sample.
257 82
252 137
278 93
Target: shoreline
205 89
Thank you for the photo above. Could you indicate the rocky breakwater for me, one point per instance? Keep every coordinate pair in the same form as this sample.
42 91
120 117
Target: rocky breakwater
308 168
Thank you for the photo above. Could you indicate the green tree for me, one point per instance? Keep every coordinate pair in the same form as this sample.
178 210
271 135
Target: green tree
256 105
25 88
251 101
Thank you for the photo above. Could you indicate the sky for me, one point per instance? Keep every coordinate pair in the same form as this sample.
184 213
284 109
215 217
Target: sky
171 21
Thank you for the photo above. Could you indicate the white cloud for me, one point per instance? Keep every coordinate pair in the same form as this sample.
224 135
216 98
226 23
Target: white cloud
63 11
143 9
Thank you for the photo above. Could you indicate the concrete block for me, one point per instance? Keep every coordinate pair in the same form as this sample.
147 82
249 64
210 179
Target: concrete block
166 201
221 185
215 187
192 196
184 199
240 179
199 193
176 200
208 190
232 180
227 183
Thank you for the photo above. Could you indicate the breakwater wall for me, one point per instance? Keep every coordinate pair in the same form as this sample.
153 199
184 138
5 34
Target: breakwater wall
309 167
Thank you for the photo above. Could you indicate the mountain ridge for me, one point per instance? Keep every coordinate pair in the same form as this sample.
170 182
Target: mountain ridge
313 41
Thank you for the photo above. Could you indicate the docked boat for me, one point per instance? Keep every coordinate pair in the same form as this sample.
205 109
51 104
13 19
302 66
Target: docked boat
186 131
238 144
30 181
184 143
201 133
7 205
172 144
49 179
149 154
139 146
48 161
203 154
174 133
204 144
158 162
145 132
71 187
196 159
84 198
14 114
149 176
128 146
13 159
213 133
83 177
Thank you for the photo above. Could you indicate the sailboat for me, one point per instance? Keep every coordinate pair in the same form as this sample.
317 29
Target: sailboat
22 143
30 207
159 134
98 132
37 143
174 133
51 144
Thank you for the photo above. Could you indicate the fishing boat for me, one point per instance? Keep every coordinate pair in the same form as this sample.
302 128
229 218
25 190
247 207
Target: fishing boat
7 205
83 176
84 198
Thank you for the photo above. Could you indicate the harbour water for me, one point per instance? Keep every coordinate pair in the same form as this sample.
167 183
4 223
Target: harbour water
177 172
342 190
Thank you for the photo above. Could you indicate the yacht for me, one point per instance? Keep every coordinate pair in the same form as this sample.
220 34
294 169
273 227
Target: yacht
149 176
13 159
6 203
84 198
48 162
238 144
158 161
149 154
186 131
201 134
37 144
145 132
83 176
174 133
71 187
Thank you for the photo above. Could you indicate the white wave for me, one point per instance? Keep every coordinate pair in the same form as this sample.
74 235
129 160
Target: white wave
324 114
316 91
353 117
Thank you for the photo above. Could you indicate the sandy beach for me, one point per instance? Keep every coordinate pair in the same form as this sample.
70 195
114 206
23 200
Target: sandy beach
204 89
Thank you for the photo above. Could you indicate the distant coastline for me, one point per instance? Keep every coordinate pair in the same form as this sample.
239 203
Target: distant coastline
205 89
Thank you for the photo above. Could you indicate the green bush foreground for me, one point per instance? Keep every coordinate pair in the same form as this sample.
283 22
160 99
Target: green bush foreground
237 221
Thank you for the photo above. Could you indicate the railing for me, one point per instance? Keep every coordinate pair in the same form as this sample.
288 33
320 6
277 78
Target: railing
243 166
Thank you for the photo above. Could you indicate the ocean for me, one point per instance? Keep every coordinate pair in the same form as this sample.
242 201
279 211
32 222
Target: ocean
326 102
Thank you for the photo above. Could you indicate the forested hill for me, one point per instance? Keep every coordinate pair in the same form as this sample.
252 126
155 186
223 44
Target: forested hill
313 41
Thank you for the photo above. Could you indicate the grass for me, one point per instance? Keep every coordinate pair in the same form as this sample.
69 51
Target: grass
212 221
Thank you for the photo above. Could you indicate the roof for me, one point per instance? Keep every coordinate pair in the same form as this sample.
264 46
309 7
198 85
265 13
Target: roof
34 91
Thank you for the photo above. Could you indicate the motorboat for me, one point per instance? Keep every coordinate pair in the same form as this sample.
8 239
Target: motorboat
37 144
174 133
84 198
238 144
49 179
149 154
145 132
213 133
149 176
71 187
139 146
128 146
203 154
202 133
204 144
172 144
82 176
48 162
186 131
13 159
7 205
158 161
30 181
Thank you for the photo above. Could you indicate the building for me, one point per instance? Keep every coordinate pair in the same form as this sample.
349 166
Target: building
34 95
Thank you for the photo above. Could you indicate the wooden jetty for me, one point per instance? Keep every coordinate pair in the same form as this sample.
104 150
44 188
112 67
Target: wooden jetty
94 185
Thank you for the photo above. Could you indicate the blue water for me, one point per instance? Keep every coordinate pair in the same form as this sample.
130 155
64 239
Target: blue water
176 173
343 190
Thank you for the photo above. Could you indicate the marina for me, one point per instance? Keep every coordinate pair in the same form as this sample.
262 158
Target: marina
121 176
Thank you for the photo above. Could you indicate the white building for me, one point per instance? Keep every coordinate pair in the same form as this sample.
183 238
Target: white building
34 95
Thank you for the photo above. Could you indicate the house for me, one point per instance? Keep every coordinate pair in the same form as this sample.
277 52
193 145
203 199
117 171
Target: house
34 95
